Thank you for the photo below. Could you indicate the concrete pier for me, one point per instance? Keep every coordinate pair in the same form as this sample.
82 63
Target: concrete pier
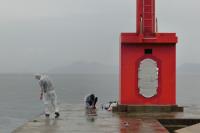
143 109
74 119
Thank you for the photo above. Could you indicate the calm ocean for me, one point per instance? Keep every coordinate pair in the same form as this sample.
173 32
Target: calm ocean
19 96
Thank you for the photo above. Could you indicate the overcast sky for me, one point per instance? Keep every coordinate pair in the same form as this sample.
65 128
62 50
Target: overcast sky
38 35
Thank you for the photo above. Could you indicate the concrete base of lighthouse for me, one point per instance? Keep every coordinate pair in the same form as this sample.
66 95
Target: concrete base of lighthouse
147 109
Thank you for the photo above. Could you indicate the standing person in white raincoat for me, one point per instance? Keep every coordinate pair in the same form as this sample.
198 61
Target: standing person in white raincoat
48 95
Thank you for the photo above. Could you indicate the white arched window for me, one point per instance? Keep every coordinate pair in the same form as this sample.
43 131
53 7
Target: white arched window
148 78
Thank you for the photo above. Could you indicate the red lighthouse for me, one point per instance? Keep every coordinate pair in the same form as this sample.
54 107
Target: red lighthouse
148 62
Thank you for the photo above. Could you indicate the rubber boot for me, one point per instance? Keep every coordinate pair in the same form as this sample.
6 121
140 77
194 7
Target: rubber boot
47 115
57 114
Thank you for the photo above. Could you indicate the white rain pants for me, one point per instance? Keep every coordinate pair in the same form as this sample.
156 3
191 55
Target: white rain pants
50 102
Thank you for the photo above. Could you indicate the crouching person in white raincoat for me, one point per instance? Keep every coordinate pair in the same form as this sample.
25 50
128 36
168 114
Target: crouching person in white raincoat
48 95
90 101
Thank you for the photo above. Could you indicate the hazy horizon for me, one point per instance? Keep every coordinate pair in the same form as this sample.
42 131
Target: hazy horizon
39 35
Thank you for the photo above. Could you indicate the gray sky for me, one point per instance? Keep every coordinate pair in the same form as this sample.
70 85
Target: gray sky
38 35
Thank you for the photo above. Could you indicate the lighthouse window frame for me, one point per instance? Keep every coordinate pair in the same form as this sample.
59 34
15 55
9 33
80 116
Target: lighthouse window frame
148 51
148 72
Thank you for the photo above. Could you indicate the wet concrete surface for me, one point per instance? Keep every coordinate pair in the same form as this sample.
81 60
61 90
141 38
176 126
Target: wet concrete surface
191 129
74 119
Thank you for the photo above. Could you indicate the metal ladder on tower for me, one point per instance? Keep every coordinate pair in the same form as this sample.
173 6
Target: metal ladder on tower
148 17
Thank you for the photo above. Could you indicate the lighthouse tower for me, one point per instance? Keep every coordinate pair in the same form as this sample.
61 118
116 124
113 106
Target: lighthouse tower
148 62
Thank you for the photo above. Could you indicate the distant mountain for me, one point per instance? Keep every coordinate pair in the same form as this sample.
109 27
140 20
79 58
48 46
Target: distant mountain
189 68
97 68
85 68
